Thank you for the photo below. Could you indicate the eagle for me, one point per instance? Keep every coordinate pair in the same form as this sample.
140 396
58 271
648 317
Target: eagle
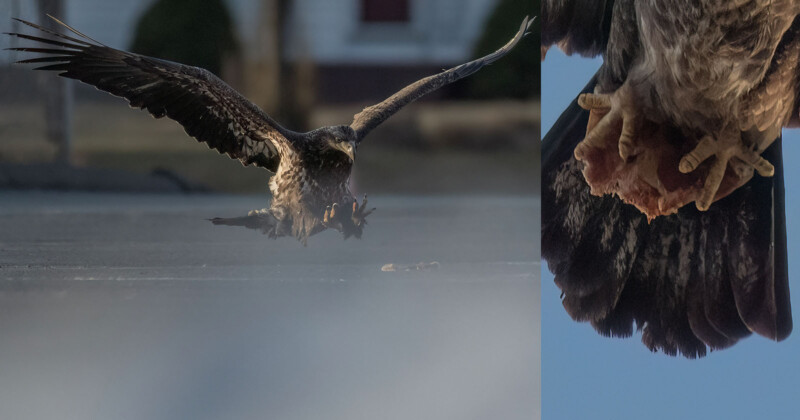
687 107
310 186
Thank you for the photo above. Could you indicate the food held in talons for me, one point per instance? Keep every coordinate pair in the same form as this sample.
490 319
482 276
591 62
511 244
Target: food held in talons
665 169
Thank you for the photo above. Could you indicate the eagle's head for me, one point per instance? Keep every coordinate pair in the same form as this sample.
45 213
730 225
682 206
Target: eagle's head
341 138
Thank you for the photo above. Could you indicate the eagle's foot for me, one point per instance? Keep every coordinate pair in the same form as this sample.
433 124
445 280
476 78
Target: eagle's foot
360 213
348 219
611 115
728 146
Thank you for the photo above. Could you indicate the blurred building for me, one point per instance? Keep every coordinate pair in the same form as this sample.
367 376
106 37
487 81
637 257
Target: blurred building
353 46
359 45
308 64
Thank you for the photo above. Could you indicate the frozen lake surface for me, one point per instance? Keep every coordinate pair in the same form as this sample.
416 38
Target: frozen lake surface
134 306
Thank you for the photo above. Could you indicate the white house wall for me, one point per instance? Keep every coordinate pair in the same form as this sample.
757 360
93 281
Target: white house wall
327 31
440 31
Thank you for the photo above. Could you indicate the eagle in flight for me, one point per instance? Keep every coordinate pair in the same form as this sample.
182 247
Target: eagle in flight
310 187
686 108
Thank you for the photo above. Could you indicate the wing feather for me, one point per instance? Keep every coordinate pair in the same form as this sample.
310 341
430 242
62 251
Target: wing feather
577 26
374 115
208 109
594 27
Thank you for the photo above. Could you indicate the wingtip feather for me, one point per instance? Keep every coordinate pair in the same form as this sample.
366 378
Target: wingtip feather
73 30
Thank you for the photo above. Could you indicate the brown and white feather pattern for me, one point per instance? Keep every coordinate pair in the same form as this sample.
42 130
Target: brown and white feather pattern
774 102
623 48
702 60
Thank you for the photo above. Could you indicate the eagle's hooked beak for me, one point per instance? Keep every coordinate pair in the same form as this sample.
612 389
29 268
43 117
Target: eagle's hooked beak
347 148
350 151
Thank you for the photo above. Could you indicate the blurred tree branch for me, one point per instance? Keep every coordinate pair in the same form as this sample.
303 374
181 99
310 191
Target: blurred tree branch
517 76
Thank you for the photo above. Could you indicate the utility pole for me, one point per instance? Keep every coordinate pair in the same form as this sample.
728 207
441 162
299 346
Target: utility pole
58 92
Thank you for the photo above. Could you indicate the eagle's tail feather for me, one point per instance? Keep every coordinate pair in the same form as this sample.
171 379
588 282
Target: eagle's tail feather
691 281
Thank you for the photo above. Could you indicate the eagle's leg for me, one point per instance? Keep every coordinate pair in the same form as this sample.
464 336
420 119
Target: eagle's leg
615 110
728 145
262 220
347 218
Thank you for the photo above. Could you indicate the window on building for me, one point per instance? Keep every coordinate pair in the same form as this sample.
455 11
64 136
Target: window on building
385 10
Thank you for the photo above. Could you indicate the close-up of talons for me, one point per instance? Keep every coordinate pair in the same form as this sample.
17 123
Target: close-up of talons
626 138
597 135
704 149
590 101
712 183
326 217
613 112
723 152
754 159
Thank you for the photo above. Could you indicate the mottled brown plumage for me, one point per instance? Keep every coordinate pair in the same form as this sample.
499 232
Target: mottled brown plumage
310 188
688 97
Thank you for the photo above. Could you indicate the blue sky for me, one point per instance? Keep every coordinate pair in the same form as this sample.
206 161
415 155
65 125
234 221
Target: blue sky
585 375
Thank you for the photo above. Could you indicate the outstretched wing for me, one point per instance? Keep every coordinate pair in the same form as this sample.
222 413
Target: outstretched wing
374 115
690 281
207 108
